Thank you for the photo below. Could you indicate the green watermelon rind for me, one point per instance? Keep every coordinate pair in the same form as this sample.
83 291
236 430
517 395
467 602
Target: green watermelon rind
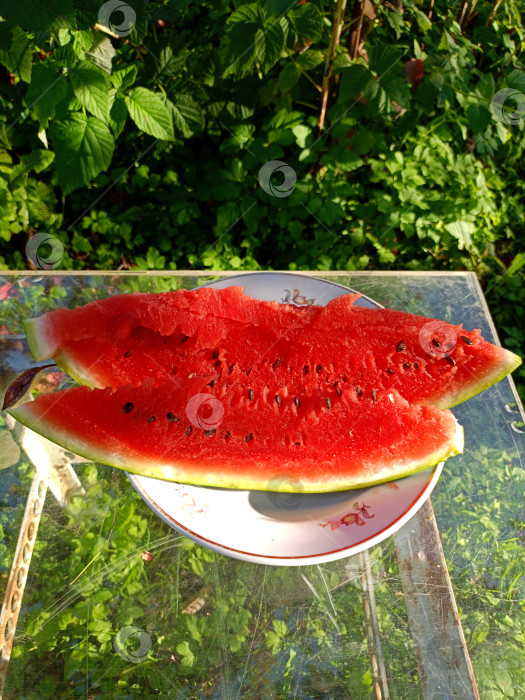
35 332
510 363
216 479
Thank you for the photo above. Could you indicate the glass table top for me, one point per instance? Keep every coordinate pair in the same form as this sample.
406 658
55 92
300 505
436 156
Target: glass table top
112 602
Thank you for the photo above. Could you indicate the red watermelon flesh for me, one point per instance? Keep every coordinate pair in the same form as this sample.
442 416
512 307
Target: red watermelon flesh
163 336
247 443
333 396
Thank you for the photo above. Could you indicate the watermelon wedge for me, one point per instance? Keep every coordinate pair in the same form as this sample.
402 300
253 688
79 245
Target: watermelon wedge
214 387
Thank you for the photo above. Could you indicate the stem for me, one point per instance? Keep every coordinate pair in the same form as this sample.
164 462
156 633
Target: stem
335 38
463 11
494 10
359 27
431 9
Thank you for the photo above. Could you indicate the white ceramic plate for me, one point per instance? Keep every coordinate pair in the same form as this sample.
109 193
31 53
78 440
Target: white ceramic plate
279 528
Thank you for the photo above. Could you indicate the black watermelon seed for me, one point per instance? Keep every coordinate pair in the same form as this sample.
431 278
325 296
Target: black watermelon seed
250 394
390 371
328 403
406 365
249 437
401 346
338 391
296 401
278 400
188 430
151 419
174 370
298 444
306 369
436 343
227 436
128 353
345 378
172 417
319 369
215 355
416 365
230 369
466 340
359 391
210 433
212 383
185 339
217 364
127 407
248 371
450 360
374 395
276 363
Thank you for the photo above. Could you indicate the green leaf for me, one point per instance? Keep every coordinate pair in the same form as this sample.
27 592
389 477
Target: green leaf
310 59
288 77
516 79
462 230
149 113
91 89
307 22
250 35
516 264
269 44
383 58
354 79
187 115
188 657
396 88
46 90
101 52
37 160
478 117
118 115
84 148
18 58
422 20
125 77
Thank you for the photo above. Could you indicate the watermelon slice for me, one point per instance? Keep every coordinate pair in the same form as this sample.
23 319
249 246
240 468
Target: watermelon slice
213 387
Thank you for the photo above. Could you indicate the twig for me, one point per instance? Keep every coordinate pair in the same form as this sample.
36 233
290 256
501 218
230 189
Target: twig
494 10
463 11
431 9
335 38
359 28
